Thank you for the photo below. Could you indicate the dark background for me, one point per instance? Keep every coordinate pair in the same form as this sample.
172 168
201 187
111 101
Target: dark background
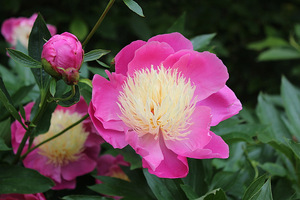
236 22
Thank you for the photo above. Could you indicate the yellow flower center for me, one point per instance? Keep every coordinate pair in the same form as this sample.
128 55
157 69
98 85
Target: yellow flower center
68 146
158 100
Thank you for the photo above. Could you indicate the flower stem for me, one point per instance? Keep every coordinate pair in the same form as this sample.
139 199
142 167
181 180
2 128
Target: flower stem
42 106
55 136
90 35
65 99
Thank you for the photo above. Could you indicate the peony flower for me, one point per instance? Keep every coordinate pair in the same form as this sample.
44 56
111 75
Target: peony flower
18 29
62 57
38 196
72 154
108 165
162 101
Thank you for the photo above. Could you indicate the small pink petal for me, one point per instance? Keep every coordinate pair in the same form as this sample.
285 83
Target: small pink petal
80 167
218 147
126 55
150 54
205 70
224 104
175 40
172 165
113 137
64 184
192 145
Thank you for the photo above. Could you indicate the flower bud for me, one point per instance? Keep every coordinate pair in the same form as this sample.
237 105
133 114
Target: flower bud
62 57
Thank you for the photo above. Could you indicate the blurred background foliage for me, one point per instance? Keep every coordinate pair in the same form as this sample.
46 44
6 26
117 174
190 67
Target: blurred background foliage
243 30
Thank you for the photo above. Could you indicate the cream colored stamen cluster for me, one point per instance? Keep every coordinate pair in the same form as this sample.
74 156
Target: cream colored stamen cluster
66 147
158 100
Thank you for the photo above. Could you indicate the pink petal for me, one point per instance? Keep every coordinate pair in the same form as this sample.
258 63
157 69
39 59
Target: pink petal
104 100
192 145
224 104
175 40
218 147
80 167
172 165
113 137
150 54
204 69
126 55
64 184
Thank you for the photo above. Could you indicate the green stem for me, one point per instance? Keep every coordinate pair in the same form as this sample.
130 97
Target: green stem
55 136
37 117
90 35
65 99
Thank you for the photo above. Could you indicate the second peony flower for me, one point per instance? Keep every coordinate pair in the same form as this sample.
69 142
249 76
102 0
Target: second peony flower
62 57
162 101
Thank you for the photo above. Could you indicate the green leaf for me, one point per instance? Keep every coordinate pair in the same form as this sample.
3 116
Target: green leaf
6 101
217 194
189 192
267 43
264 193
116 187
274 169
23 59
84 197
201 42
271 117
178 25
16 179
164 189
224 179
38 35
291 99
295 147
3 146
279 54
99 71
132 5
103 64
255 187
94 54
75 99
52 87
21 94
5 134
79 28
85 91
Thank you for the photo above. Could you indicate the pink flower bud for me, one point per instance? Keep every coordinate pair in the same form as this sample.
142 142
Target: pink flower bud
62 57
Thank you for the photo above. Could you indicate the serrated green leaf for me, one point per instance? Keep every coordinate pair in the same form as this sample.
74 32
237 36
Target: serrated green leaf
201 42
16 179
164 189
255 187
279 54
94 54
23 59
291 100
132 5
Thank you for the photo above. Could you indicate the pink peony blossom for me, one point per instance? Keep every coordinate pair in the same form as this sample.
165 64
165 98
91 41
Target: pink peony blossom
38 196
62 57
70 155
18 29
162 101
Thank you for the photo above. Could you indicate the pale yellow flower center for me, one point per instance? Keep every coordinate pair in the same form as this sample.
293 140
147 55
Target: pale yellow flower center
158 100
66 147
